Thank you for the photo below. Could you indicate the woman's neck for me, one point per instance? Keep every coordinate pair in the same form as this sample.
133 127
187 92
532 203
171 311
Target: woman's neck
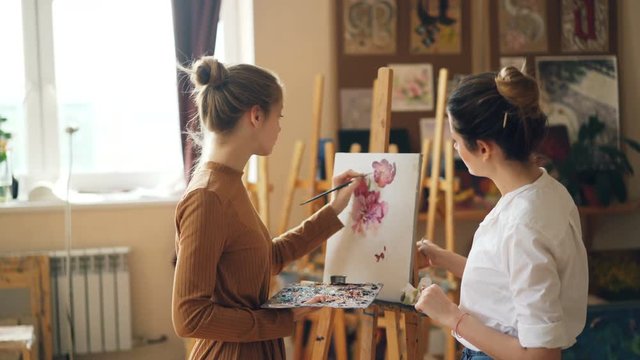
230 153
513 174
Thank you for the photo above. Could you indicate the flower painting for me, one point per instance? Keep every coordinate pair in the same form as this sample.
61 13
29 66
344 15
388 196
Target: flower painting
412 87
377 241
369 209
523 26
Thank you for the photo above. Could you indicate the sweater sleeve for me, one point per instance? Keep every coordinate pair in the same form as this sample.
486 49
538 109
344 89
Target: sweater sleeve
201 226
304 237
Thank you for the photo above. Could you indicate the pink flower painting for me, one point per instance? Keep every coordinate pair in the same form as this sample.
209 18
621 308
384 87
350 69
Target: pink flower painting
383 172
368 210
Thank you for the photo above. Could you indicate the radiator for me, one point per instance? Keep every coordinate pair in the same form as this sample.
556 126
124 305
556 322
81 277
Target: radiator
100 303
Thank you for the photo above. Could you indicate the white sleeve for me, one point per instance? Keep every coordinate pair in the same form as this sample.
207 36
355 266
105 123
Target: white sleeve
535 286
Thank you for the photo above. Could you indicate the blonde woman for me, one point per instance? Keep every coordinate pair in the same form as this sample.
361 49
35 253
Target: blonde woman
225 254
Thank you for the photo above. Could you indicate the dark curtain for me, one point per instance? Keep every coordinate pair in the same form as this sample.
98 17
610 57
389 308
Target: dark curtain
195 23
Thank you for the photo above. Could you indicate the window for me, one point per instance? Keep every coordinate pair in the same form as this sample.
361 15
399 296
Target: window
107 67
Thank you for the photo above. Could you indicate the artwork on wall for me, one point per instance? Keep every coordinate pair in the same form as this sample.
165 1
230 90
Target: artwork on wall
523 26
412 87
355 108
370 26
377 242
517 62
585 25
436 27
574 88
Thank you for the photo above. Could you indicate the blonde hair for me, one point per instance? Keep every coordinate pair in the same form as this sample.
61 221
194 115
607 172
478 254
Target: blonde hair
222 95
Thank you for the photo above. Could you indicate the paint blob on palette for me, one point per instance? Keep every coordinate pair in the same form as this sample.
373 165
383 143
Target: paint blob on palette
343 296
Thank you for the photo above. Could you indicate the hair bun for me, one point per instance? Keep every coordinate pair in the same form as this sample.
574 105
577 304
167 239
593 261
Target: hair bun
208 71
519 89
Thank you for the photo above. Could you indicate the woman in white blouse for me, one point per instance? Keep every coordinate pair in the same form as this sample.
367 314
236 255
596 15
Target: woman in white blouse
524 285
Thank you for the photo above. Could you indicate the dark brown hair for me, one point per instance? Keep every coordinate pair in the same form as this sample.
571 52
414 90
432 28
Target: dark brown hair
502 107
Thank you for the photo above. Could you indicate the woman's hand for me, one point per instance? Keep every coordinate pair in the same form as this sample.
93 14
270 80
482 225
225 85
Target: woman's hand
428 253
340 198
435 303
301 312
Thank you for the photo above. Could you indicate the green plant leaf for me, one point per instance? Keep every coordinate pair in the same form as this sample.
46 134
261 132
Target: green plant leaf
2 119
3 156
633 144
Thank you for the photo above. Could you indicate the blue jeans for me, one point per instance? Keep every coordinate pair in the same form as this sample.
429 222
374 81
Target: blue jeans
468 354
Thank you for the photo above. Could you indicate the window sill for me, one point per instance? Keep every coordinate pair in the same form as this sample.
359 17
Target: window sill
89 202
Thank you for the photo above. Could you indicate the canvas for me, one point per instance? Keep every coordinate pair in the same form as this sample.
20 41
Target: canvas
517 62
574 88
412 87
377 242
585 25
369 26
523 26
436 27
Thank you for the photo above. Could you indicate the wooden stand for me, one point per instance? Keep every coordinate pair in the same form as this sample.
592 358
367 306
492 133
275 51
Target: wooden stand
32 272
436 185
398 344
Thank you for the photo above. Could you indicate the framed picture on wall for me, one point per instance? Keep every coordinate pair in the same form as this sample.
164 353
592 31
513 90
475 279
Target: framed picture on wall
522 26
585 26
412 87
573 88
355 108
436 27
370 26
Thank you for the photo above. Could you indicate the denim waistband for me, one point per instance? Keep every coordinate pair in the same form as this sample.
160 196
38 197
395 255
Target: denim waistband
468 354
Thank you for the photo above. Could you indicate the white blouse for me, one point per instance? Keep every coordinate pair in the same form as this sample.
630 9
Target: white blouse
527 273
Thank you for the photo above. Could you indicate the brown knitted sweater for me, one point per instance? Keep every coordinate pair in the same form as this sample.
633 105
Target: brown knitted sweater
225 257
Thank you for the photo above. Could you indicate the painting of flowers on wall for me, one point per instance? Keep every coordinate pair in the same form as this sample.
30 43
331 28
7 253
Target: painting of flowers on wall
412 87
377 241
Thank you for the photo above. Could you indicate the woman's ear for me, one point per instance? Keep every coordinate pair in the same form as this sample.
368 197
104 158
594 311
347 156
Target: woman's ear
256 116
485 148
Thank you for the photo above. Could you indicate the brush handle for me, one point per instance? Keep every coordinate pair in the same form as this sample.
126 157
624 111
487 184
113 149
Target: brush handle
327 192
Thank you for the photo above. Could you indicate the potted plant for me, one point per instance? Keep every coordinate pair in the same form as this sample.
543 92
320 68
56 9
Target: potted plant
6 176
594 172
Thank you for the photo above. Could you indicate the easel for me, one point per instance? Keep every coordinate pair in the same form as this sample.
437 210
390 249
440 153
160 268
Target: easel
311 184
415 340
436 185
381 121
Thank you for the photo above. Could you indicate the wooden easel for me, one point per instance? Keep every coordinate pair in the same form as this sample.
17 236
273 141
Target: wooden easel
381 120
311 185
410 340
436 185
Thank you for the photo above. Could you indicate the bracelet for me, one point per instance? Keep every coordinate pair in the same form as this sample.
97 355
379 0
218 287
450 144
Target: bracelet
455 331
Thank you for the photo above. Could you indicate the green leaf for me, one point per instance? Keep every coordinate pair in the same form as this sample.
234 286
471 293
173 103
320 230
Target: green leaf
3 156
2 119
633 144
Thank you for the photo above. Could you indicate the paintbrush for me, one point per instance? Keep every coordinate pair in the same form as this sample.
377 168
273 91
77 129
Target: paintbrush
334 189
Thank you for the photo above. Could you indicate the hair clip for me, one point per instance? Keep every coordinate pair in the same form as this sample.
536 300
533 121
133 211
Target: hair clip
504 120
